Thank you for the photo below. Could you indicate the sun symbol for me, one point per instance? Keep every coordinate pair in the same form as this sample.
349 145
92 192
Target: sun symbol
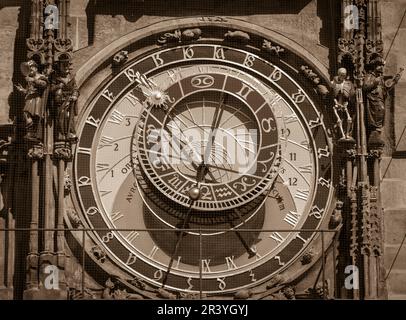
155 97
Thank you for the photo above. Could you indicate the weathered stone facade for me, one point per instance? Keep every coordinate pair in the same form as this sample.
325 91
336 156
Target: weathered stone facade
313 25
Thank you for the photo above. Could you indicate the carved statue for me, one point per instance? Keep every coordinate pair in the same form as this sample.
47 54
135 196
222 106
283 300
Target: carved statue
376 90
66 94
34 108
344 93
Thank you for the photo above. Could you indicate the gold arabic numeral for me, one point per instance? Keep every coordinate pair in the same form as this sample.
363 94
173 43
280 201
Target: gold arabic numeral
252 276
188 53
158 275
292 181
316 212
292 156
108 237
132 258
275 75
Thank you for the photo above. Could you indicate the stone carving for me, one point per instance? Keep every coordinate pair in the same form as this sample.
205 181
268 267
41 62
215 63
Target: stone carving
112 291
120 58
376 89
346 50
307 257
179 36
66 94
243 294
99 253
237 36
34 108
344 94
164 294
336 217
312 76
274 50
73 217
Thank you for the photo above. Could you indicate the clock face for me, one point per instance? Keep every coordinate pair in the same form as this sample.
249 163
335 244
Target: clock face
202 159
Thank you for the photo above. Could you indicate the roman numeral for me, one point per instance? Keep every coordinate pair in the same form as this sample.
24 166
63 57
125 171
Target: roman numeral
102 167
116 117
230 263
277 237
105 141
132 236
114 216
292 218
306 169
206 265
302 194
153 252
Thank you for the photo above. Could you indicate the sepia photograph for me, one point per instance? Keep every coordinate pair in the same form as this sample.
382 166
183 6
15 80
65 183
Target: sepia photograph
202 150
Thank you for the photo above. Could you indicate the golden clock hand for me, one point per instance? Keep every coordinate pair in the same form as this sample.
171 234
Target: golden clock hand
194 194
214 126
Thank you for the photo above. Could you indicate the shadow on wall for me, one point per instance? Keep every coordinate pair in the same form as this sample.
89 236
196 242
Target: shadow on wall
133 10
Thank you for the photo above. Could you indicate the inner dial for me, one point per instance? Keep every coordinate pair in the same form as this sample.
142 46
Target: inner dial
213 133
224 255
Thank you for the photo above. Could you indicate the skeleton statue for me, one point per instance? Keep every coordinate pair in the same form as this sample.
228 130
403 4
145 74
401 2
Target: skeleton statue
34 109
343 90
376 90
66 94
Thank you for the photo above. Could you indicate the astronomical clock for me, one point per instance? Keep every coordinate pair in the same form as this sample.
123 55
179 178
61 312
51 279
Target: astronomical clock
203 165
